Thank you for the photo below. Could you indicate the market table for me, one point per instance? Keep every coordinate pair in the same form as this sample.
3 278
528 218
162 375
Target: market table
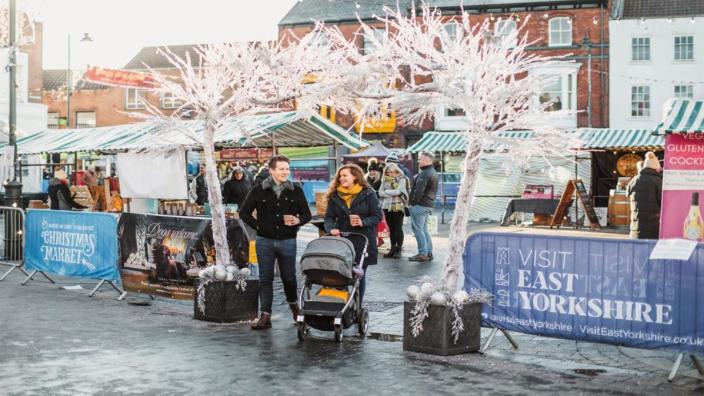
535 206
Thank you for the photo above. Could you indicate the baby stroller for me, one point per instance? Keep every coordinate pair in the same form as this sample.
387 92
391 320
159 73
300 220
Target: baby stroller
329 262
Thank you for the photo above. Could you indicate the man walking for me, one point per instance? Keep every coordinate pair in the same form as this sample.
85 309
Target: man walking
281 208
422 201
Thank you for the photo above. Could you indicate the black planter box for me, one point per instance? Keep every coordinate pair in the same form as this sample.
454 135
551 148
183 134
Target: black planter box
436 337
224 303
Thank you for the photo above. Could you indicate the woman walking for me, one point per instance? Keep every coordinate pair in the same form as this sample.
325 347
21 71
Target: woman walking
237 188
394 200
354 207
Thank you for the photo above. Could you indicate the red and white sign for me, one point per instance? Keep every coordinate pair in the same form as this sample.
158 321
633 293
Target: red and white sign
119 78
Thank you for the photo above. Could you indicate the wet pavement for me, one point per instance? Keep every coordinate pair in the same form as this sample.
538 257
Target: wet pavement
61 342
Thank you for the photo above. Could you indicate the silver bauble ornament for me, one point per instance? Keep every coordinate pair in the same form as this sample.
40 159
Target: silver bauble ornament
460 297
220 274
245 272
230 277
412 292
437 298
426 288
231 269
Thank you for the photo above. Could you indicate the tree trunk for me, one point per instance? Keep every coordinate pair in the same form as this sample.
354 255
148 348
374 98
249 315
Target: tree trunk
458 225
222 251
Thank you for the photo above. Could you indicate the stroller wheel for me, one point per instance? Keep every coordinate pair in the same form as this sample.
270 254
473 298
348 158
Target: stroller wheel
363 321
338 333
301 331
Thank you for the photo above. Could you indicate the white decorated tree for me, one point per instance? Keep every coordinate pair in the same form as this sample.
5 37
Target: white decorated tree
222 81
464 67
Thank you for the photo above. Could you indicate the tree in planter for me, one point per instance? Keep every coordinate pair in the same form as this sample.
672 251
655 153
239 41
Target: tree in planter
463 65
219 82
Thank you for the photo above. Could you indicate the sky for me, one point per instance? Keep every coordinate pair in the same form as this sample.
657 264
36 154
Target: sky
120 28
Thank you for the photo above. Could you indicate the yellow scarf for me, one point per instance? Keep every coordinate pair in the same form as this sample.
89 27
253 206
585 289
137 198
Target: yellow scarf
348 194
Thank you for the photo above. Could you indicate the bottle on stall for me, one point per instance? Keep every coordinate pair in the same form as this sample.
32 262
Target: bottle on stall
693 223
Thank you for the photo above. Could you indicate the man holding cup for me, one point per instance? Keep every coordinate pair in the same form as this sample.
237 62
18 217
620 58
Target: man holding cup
281 208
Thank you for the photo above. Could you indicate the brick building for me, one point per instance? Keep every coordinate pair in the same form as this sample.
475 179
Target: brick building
575 28
95 105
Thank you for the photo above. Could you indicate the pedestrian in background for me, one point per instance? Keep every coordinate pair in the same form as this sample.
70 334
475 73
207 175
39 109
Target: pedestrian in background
645 194
373 175
237 188
281 210
354 207
394 158
422 202
394 200
198 189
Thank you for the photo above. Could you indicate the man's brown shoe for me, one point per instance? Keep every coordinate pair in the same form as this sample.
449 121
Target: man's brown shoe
264 322
294 310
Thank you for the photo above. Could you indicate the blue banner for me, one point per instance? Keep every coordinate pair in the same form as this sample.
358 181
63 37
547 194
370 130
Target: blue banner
81 244
598 290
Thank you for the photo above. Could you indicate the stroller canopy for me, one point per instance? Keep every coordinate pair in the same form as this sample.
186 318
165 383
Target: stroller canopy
329 254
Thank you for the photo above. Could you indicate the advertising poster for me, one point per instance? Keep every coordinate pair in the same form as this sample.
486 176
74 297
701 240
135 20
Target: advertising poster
683 187
162 255
72 243
589 289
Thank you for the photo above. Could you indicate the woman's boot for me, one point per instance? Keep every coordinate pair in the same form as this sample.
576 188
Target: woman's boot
391 252
397 253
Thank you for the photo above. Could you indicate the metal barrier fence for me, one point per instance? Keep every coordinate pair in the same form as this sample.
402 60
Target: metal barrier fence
12 238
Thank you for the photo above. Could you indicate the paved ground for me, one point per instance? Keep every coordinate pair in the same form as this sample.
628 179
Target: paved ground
60 342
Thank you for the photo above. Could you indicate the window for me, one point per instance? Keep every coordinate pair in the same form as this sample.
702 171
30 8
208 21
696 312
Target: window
506 29
132 99
560 32
168 101
640 101
455 113
684 47
368 44
559 92
328 112
684 91
85 119
640 49
452 29
52 120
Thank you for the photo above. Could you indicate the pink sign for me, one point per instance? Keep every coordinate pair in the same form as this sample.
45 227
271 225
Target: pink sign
683 187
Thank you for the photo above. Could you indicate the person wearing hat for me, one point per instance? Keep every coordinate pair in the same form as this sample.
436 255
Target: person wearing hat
237 188
373 175
645 194
393 158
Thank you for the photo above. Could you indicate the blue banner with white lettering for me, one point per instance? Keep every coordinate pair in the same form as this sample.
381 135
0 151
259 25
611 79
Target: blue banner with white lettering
598 290
72 243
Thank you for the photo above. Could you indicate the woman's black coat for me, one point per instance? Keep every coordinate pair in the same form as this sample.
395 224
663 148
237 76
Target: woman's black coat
235 191
645 192
366 206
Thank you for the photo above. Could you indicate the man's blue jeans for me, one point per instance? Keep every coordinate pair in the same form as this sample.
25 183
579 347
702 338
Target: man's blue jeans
269 251
419 223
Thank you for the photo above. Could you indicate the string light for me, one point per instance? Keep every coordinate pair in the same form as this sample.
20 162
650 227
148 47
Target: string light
546 15
594 20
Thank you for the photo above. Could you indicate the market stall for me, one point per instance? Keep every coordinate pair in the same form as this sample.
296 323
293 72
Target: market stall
499 181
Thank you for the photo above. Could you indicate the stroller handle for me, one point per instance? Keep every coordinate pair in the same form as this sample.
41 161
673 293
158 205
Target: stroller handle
346 234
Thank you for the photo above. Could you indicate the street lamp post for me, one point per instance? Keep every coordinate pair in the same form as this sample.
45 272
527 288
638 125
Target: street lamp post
69 83
13 188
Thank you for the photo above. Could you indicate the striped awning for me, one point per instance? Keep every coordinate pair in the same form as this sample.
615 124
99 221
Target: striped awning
682 116
619 139
281 129
455 141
